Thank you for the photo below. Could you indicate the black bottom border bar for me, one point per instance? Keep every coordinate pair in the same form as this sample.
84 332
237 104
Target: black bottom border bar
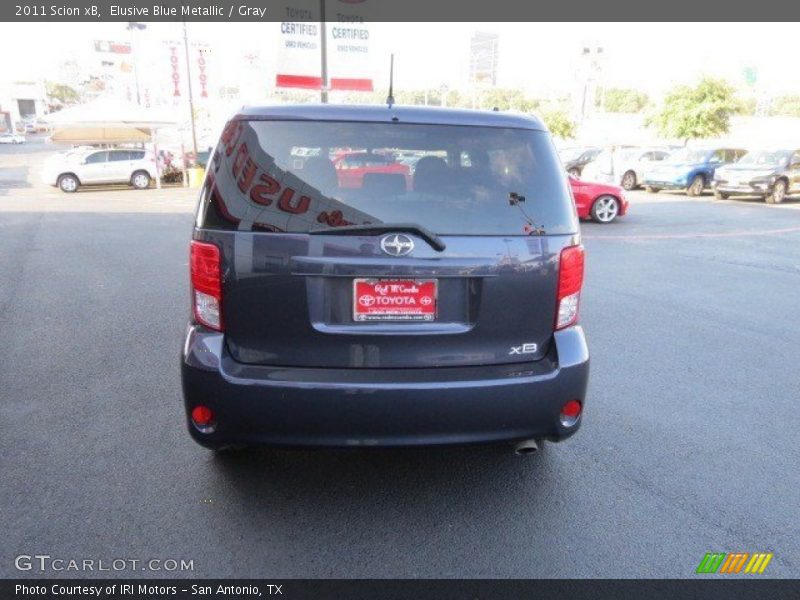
702 588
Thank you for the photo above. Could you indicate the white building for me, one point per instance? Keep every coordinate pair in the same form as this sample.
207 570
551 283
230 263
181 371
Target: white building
19 100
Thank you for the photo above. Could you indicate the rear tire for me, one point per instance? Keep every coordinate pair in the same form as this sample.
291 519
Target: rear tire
721 196
629 181
696 187
778 193
68 183
652 190
140 180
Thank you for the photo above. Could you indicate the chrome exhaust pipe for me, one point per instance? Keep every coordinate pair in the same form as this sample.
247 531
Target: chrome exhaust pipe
526 447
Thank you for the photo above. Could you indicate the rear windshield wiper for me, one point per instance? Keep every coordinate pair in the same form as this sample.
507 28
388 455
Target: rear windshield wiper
531 228
378 228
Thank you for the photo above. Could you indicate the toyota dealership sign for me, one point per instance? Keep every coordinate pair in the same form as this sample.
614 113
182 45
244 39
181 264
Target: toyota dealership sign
347 44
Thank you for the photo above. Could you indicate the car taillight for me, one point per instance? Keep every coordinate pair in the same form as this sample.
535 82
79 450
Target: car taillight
570 281
206 284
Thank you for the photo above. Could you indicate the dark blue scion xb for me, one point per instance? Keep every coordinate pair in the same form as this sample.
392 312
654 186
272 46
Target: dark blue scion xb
384 276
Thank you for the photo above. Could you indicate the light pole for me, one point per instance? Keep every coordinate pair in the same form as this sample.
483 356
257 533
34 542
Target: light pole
591 55
323 47
189 83
132 26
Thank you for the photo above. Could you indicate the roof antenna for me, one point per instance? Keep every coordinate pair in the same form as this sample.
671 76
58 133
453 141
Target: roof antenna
390 97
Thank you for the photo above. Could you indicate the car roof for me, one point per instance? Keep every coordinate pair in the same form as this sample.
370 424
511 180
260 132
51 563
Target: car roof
385 114
712 147
645 149
773 149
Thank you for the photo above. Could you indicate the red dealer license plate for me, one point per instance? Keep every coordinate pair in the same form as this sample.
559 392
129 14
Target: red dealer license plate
394 299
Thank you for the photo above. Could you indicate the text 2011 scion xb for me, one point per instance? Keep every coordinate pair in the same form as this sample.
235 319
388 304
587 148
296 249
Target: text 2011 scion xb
422 290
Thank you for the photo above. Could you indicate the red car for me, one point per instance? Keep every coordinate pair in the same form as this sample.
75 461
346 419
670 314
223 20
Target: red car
598 201
351 167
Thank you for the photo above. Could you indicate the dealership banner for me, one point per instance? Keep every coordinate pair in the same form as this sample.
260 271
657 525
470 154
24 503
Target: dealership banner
175 67
347 43
202 53
348 52
299 46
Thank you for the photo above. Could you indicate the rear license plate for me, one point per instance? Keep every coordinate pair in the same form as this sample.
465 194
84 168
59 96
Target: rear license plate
394 299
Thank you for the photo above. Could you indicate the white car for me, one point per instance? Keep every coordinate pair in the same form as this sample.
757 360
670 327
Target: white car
11 138
624 167
73 169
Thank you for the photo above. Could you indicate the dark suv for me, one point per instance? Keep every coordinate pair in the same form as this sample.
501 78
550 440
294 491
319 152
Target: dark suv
771 174
438 307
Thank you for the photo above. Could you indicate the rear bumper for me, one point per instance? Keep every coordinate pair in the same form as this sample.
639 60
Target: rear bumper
381 407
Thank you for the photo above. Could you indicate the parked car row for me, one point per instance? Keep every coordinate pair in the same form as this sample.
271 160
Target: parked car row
624 166
690 169
772 174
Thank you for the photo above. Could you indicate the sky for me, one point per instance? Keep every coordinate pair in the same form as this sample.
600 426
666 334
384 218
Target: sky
540 58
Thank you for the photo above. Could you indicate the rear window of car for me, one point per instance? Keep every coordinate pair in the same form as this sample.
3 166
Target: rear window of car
301 176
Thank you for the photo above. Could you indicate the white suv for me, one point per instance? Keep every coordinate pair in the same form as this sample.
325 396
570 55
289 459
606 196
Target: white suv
73 169
625 167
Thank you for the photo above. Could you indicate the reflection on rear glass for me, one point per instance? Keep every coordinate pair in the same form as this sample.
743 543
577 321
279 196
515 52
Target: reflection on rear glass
290 176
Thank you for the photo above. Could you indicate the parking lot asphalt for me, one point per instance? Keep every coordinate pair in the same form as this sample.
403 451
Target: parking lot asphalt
689 444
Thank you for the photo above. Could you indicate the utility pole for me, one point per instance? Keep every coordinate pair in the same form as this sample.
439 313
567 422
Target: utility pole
323 46
132 26
189 83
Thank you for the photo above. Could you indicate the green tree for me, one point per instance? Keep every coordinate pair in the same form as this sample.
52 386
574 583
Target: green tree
506 99
623 100
785 106
747 106
63 93
559 124
697 112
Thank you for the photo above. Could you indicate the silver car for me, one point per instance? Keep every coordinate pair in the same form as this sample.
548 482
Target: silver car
625 166
71 170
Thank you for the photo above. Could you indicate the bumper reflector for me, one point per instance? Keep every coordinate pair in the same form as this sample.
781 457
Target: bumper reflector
570 413
203 418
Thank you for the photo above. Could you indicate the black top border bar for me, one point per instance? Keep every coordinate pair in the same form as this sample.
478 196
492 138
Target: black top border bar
397 11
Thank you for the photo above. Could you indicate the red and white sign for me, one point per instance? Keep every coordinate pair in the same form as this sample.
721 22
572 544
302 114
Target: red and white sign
299 46
112 47
394 300
175 71
347 42
202 69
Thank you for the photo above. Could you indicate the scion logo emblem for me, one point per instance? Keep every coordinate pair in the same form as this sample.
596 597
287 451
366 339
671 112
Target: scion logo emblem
397 244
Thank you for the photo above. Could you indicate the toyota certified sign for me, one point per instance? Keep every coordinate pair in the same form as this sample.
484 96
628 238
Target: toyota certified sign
397 244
